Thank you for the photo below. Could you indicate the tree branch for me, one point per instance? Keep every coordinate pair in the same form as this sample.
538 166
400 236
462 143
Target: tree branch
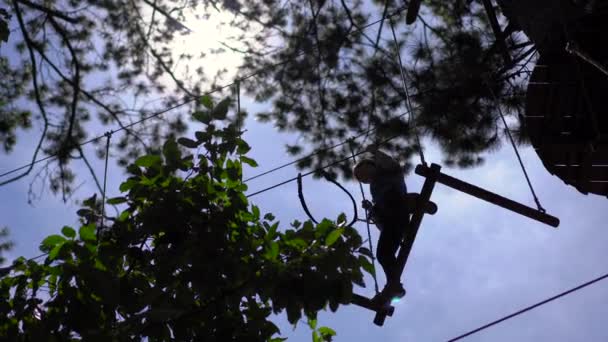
51 12
37 94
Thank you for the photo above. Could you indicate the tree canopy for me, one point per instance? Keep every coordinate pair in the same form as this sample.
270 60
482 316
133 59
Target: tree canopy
187 258
327 70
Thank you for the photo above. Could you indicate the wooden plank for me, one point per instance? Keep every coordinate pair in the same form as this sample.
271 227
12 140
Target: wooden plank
490 197
367 303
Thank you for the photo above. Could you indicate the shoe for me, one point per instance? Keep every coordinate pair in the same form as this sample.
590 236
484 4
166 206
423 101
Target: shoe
395 291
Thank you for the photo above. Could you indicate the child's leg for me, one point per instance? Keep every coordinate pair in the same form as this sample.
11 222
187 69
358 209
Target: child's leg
388 243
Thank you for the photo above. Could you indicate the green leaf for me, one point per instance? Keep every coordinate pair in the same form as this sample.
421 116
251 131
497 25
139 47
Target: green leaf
315 336
326 332
203 117
207 101
84 212
273 252
116 200
171 152
188 142
134 170
51 241
333 236
366 252
221 110
127 185
54 252
269 217
124 216
202 136
249 161
148 160
87 233
68 231
312 323
256 212
367 266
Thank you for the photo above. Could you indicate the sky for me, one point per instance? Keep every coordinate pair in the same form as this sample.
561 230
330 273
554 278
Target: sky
472 262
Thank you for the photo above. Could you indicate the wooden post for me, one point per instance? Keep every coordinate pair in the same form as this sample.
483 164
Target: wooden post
489 196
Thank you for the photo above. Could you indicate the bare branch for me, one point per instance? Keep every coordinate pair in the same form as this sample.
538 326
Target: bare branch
49 11
37 94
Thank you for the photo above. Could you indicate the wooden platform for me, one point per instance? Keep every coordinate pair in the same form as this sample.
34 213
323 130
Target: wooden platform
567 121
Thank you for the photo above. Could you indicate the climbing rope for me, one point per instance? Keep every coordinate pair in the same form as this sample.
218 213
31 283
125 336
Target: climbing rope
369 234
108 135
521 163
407 96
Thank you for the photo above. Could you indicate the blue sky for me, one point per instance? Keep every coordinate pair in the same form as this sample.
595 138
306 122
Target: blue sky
472 262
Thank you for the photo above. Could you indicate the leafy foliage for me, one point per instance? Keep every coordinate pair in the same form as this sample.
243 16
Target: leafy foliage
326 75
188 258
4 245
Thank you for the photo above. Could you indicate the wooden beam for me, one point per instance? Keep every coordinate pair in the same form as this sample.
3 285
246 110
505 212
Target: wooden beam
488 196
367 303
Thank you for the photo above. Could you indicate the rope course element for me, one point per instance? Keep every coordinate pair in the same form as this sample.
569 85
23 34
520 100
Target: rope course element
407 95
190 99
517 313
521 163
369 233
332 180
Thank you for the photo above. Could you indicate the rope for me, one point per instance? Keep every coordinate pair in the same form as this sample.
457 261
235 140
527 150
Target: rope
303 201
352 199
369 233
407 96
517 313
105 180
330 179
521 163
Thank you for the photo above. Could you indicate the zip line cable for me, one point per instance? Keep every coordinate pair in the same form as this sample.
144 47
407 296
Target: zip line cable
343 142
530 307
193 98
313 171
521 163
